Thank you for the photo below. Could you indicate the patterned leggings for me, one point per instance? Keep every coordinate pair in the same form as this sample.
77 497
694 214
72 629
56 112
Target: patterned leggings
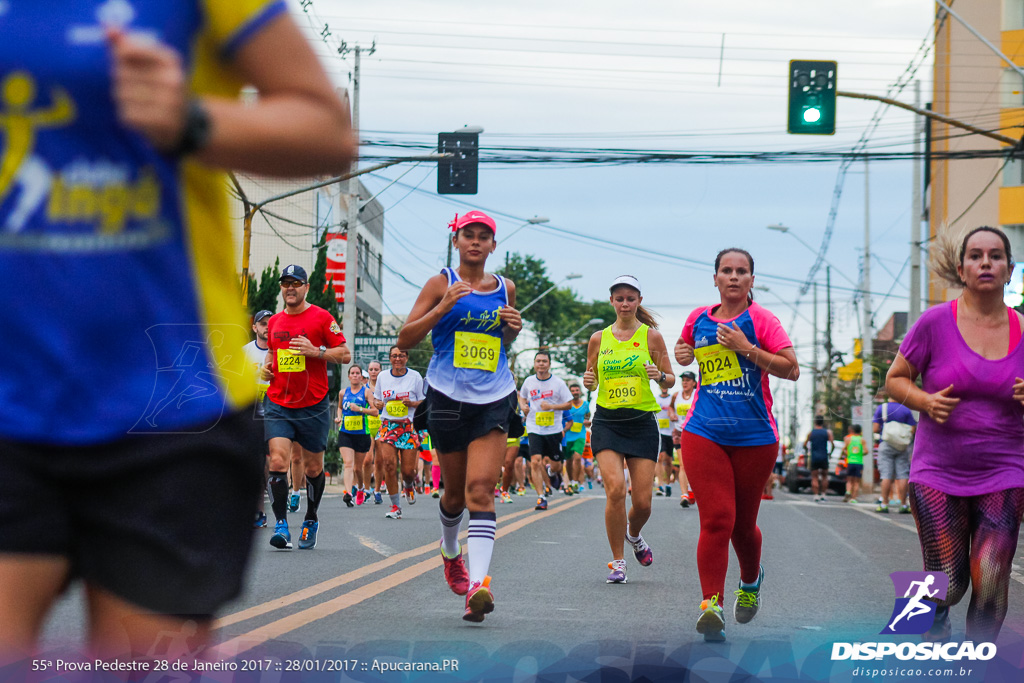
972 539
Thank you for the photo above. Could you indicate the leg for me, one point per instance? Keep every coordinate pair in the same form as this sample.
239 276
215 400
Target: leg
751 465
298 474
118 629
509 467
615 503
277 482
996 522
359 465
368 465
409 459
538 477
641 471
348 462
313 469
28 586
387 456
711 476
943 527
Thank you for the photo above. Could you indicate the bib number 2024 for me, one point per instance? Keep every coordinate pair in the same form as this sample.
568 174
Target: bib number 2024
717 364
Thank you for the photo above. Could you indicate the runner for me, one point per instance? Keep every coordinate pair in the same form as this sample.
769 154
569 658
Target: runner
303 339
398 393
967 474
112 203
683 401
353 441
622 360
372 472
730 438
575 435
853 451
471 402
819 446
666 416
542 398
256 354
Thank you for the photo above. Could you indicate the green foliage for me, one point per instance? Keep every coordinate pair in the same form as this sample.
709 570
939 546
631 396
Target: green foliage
419 356
264 294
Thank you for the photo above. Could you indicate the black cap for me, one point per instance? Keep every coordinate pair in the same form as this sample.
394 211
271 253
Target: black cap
294 272
687 375
260 315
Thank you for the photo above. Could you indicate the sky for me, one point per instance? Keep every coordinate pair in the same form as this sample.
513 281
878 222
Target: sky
680 76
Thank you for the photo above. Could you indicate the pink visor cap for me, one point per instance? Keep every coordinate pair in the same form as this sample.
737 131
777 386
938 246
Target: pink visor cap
471 217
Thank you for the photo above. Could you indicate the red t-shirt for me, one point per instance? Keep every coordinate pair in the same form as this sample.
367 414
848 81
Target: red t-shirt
300 381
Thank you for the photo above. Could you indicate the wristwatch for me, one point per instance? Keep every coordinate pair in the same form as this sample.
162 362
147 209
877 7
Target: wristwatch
662 377
196 132
323 350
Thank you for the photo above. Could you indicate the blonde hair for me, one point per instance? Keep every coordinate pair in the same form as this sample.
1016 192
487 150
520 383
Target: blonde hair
950 247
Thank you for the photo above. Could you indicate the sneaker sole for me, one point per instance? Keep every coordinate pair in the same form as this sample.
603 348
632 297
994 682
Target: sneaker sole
610 581
480 604
711 626
279 541
742 617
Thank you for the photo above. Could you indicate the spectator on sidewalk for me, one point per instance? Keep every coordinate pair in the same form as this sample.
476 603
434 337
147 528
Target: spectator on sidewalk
896 424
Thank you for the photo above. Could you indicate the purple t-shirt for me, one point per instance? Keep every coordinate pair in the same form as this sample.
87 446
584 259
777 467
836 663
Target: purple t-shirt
896 412
980 448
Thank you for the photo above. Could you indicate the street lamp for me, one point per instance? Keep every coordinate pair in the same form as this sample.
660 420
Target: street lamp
589 323
536 220
570 276
785 229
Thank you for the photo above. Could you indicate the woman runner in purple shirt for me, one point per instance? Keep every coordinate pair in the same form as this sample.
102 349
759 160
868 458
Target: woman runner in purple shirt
967 474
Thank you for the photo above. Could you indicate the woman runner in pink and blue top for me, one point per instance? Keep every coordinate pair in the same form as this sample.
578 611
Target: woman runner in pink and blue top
967 473
730 439
471 398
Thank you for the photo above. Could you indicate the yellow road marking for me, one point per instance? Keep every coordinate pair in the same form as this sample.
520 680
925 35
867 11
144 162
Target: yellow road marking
276 629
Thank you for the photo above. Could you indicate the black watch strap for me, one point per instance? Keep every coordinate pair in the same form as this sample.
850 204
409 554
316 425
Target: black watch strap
196 132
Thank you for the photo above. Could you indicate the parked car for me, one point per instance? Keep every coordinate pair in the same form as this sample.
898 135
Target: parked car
798 476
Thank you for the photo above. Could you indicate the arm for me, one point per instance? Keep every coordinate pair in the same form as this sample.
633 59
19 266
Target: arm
590 377
899 382
299 126
524 405
661 371
831 443
434 301
339 355
510 316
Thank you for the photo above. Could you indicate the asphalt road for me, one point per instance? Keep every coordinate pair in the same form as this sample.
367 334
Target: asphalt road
373 591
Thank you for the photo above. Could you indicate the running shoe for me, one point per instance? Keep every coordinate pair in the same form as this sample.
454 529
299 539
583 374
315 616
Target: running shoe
410 495
905 510
479 601
427 491
436 493
360 497
618 574
941 629
506 497
377 498
684 501
567 490
282 538
668 490
748 600
767 496
348 499
547 490
642 551
660 491
394 513
293 502
542 504
521 491
261 521
711 623
884 509
853 501
307 537
590 485
455 572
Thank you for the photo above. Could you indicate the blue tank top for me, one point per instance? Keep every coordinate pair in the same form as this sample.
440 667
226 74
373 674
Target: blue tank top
349 417
819 444
575 416
469 362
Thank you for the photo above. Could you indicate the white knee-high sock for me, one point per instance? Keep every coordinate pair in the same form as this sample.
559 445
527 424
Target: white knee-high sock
450 531
482 526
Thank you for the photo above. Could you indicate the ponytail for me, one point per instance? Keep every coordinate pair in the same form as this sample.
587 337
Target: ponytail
645 316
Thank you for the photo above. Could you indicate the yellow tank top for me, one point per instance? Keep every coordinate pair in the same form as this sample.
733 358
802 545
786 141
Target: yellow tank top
621 375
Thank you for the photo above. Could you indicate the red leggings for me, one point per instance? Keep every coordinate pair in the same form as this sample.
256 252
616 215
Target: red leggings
728 482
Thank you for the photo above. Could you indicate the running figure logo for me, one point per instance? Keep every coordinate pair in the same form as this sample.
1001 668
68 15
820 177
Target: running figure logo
914 612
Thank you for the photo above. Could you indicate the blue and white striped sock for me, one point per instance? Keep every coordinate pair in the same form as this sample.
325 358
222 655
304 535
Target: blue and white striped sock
482 526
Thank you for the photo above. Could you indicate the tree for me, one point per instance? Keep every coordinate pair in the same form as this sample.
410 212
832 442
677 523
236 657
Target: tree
264 295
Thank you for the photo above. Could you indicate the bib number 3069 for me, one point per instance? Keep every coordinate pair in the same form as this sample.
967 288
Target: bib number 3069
477 351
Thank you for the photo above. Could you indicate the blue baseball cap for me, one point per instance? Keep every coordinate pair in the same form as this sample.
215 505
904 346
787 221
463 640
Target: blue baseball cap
294 272
260 315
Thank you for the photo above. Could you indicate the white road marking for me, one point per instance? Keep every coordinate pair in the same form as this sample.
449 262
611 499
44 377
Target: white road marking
375 546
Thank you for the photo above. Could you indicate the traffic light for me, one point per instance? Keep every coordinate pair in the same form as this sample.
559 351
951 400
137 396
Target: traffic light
458 175
812 97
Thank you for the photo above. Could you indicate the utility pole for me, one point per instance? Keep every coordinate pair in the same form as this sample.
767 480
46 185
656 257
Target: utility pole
866 399
828 341
349 315
914 309
814 347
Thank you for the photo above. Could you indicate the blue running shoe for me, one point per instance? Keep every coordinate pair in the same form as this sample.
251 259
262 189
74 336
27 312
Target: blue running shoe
261 521
748 600
377 498
293 502
282 538
618 574
307 537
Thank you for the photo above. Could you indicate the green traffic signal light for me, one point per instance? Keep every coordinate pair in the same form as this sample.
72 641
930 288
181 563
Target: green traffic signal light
812 97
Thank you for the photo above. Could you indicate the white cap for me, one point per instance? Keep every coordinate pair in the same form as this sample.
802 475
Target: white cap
628 280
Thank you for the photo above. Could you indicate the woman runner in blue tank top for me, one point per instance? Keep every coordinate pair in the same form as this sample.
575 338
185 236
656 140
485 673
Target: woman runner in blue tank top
353 439
471 397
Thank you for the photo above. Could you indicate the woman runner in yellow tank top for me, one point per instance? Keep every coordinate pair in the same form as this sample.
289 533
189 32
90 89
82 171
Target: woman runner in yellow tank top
622 360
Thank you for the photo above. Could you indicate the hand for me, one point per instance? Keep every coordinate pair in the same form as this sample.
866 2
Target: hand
379 405
1018 390
337 420
511 318
683 353
652 371
455 292
544 405
940 404
150 88
590 379
266 374
303 346
408 402
733 338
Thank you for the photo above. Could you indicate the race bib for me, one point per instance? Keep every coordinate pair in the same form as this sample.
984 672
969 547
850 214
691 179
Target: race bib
372 424
717 364
290 362
353 423
662 423
576 427
477 351
396 409
682 409
261 392
623 391
545 418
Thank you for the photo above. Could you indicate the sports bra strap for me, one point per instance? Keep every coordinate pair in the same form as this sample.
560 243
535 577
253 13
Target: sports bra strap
1012 320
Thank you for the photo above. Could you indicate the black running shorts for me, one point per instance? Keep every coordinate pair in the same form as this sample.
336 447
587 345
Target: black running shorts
163 521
